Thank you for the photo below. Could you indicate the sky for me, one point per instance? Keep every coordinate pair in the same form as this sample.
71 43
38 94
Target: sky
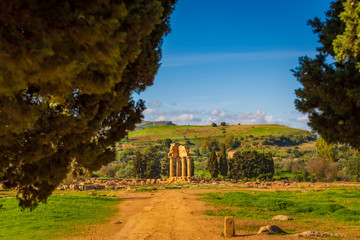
230 61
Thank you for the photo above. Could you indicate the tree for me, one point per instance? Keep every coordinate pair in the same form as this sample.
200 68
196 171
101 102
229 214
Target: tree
229 141
153 164
210 144
223 124
166 143
138 165
323 168
214 124
330 92
212 165
347 44
353 167
327 150
223 164
251 164
68 72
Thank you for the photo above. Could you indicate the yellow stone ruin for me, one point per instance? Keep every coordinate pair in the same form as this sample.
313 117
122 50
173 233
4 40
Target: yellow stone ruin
178 152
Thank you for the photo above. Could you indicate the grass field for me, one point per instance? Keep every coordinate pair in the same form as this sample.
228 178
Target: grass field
324 209
63 215
193 132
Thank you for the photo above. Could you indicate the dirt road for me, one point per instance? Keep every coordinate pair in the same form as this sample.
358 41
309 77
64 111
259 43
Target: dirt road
167 215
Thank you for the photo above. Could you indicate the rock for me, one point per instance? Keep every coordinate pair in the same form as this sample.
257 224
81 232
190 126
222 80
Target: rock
117 222
319 234
270 229
282 218
229 227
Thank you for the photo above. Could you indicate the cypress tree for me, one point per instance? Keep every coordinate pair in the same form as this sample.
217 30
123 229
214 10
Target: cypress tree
223 164
212 165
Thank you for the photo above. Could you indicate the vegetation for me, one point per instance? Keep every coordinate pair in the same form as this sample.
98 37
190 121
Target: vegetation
223 162
251 164
213 165
329 95
346 45
201 132
291 140
340 206
62 216
326 150
68 71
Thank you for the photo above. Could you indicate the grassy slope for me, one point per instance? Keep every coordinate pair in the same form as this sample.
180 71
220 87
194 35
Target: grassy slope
62 216
312 208
191 132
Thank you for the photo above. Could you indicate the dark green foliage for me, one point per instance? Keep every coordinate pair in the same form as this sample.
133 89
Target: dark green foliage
251 164
214 124
68 71
223 163
166 143
286 141
138 165
330 93
210 144
229 141
192 162
223 124
153 165
197 152
353 167
212 165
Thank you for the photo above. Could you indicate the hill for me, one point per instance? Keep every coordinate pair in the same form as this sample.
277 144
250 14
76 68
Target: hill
198 132
146 124
276 138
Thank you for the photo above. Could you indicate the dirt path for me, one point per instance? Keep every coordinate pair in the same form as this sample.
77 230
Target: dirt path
166 215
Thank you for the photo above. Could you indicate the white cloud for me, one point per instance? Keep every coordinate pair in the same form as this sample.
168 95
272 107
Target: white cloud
183 118
152 111
216 112
191 116
303 119
154 103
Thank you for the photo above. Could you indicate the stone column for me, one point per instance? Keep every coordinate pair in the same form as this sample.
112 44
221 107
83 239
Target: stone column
189 166
184 167
171 167
178 168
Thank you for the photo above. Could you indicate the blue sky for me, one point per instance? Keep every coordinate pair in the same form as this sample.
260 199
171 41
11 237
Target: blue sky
229 61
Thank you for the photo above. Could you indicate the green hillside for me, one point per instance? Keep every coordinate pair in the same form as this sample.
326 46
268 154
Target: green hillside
197 132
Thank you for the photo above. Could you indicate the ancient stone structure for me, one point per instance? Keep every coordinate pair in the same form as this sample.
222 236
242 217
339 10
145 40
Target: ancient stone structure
181 154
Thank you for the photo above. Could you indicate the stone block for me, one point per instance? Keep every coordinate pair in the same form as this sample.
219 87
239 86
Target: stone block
229 227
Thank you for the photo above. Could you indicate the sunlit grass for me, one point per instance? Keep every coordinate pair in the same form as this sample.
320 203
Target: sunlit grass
341 206
61 216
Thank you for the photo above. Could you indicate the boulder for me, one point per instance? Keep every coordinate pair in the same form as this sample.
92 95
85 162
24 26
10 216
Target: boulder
270 229
282 218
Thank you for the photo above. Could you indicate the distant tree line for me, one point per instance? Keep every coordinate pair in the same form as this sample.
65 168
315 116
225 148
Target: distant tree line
290 140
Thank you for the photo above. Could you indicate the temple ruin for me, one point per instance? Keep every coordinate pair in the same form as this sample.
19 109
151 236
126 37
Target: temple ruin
183 169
